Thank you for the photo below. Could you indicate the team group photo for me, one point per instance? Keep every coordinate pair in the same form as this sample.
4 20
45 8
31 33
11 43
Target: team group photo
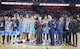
39 24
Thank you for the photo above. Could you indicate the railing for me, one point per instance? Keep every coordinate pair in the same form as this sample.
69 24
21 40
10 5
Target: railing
41 4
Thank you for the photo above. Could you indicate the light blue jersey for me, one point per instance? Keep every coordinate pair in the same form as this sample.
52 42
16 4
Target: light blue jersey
32 29
45 29
16 28
20 25
25 25
2 27
9 28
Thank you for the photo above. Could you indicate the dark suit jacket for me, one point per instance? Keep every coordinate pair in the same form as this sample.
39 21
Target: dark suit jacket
38 26
51 25
61 27
75 27
70 26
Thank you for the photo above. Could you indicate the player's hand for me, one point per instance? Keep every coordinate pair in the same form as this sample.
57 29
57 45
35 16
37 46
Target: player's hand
49 28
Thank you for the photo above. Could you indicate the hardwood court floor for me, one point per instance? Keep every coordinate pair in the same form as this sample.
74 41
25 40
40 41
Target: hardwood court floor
22 46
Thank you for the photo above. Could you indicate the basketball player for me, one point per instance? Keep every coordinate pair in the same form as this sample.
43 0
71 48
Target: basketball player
2 24
8 30
5 19
20 27
25 28
32 29
45 30
16 32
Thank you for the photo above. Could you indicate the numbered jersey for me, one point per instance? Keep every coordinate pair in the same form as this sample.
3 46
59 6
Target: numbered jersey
16 25
2 25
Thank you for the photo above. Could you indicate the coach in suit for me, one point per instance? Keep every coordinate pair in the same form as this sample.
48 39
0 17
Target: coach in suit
68 29
38 26
60 29
74 31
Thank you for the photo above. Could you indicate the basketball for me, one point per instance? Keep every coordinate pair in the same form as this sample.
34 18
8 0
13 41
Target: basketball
44 25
